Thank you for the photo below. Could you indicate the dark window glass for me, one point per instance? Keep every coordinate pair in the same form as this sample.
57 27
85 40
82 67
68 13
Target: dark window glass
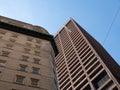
2 63
5 53
19 79
24 58
22 67
35 70
100 80
36 60
34 82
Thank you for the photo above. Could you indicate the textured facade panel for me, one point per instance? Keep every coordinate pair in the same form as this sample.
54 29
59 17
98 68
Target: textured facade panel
81 64
26 61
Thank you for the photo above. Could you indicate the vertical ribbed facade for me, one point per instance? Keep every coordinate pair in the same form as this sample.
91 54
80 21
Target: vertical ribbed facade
82 63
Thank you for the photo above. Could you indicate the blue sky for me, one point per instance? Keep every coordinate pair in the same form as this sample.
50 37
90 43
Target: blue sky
98 17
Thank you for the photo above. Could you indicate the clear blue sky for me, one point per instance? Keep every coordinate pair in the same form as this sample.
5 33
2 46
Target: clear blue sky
98 17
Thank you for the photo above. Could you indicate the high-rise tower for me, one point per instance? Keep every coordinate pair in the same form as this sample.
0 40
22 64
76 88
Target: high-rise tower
26 57
82 63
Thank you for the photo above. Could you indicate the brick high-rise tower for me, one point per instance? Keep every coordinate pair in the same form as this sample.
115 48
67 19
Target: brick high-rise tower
26 57
82 63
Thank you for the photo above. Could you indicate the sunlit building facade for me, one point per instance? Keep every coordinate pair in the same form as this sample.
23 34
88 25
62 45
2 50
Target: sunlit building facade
82 63
26 57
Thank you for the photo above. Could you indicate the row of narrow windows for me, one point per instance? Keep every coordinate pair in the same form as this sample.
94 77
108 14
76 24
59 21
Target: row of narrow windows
23 57
21 67
19 79
15 35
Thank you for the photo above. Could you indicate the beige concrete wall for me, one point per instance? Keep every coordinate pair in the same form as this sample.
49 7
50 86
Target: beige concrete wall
46 75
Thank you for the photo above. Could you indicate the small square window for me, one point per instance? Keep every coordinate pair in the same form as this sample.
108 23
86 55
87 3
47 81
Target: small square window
28 44
38 41
0 37
29 39
12 40
34 82
5 53
14 89
37 46
14 35
24 58
36 60
22 67
37 53
26 50
35 70
8 46
19 79
2 63
2 32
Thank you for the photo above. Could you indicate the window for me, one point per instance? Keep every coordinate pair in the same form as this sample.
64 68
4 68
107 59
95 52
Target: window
2 32
28 44
100 80
22 67
0 37
14 35
14 89
36 60
87 88
2 63
26 50
24 58
19 79
37 53
5 53
29 39
34 82
38 46
38 41
12 40
8 46
35 70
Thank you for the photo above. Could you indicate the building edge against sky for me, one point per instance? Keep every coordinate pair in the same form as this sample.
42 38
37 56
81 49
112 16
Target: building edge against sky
82 63
26 57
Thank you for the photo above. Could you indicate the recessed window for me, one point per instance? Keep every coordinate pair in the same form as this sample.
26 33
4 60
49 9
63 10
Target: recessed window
26 50
8 46
28 44
12 40
37 46
29 39
5 53
38 41
100 80
35 70
22 67
36 60
2 32
14 89
19 79
2 63
14 35
24 58
0 37
34 82
37 53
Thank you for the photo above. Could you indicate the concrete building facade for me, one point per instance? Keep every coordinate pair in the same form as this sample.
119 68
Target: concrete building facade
82 63
27 55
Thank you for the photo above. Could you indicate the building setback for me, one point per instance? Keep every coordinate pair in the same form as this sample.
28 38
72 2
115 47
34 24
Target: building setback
82 63
26 57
